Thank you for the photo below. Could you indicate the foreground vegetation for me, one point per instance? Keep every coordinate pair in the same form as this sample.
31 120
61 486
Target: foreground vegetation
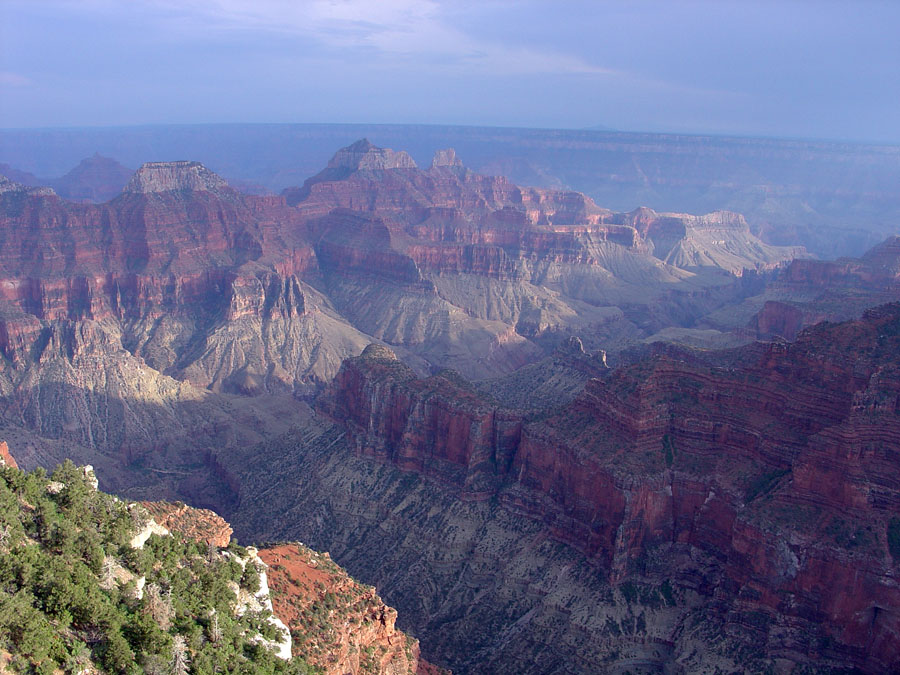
76 595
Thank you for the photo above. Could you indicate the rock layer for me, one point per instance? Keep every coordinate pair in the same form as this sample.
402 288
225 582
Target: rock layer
257 294
169 176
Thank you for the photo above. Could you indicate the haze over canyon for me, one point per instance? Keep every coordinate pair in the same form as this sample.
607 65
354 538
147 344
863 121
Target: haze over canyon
571 401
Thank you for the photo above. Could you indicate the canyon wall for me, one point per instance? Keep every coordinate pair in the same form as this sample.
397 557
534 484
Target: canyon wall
752 497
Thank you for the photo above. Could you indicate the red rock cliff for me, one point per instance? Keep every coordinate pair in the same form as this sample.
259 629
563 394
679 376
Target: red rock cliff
337 624
777 464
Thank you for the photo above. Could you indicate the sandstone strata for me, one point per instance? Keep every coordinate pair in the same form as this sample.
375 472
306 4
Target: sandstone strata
168 176
259 295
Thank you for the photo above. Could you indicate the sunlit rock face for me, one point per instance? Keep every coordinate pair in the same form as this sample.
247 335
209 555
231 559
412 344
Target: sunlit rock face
168 176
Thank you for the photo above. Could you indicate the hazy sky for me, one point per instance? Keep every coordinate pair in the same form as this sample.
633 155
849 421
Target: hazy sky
812 69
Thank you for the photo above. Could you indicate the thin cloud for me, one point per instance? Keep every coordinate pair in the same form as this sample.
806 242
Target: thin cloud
8 79
412 31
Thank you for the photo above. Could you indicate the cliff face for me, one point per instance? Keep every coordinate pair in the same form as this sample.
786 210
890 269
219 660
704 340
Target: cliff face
809 291
189 274
200 524
438 427
337 624
775 466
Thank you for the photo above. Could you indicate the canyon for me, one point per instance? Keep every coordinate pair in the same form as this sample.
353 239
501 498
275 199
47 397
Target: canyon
546 431
689 512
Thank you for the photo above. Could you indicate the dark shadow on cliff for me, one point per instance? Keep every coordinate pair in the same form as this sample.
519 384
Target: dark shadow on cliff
146 450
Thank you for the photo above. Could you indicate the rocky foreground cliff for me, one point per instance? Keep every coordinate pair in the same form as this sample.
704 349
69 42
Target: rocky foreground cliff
94 584
720 511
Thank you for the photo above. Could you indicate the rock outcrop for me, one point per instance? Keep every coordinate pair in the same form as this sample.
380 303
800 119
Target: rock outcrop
446 158
364 155
199 524
6 459
393 416
337 624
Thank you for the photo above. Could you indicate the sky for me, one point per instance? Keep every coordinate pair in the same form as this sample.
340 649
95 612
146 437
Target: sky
804 69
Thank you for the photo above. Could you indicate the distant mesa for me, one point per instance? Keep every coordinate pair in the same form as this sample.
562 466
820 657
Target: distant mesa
365 155
95 179
446 158
16 176
155 177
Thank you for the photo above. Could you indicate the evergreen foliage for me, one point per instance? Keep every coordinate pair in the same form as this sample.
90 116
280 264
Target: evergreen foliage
69 588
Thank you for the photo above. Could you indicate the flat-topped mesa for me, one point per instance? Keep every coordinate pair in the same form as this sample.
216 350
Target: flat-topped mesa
722 218
171 176
365 155
645 220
